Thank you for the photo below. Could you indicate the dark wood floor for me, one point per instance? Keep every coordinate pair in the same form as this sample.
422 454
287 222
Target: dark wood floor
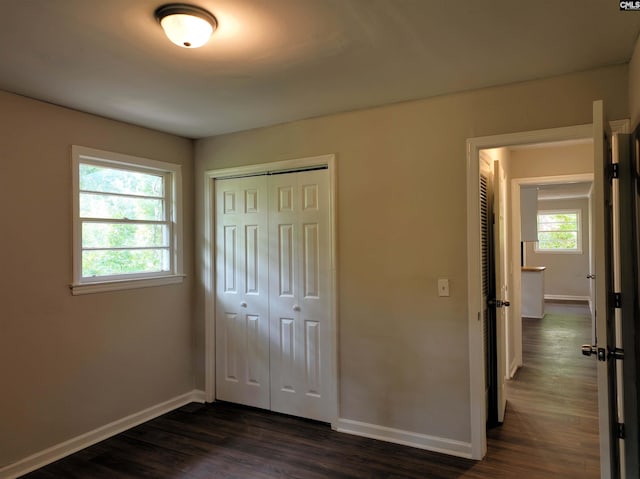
551 423
550 431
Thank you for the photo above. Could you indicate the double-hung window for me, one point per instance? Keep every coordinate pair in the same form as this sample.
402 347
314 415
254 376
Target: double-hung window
559 231
127 230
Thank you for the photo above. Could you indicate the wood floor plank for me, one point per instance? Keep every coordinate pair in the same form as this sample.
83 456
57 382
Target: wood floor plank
550 431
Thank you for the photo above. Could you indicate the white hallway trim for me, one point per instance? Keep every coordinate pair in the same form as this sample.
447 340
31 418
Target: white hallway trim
405 438
51 454
566 297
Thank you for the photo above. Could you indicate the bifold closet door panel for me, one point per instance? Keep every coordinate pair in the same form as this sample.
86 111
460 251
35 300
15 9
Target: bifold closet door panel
242 291
300 288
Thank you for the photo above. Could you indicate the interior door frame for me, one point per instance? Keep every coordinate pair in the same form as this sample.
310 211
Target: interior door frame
208 270
474 268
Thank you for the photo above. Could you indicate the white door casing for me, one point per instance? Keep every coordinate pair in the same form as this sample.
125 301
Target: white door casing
474 146
474 270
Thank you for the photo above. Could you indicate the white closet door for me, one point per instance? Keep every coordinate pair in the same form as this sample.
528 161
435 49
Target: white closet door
300 288
242 291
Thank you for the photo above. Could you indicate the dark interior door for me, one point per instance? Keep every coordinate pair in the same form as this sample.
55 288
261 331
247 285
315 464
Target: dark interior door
608 338
629 194
622 195
489 295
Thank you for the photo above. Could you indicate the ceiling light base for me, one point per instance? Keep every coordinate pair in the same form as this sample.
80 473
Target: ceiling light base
187 26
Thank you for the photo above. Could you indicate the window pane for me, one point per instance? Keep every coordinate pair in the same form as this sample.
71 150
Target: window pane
558 240
106 263
119 207
558 231
110 235
111 180
558 218
546 227
557 227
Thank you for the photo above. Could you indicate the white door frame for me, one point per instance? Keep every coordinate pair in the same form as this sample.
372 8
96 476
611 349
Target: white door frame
474 258
208 266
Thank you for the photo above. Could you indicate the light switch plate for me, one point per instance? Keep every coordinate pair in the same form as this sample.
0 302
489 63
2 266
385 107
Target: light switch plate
443 287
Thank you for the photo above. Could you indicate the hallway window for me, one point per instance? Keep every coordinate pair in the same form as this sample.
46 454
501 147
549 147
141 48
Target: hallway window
126 224
559 231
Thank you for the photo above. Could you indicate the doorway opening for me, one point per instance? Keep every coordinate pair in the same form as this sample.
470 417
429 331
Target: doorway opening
515 284
600 132
478 398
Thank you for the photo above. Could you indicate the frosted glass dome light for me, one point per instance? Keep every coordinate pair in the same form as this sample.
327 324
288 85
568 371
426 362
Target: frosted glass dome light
186 25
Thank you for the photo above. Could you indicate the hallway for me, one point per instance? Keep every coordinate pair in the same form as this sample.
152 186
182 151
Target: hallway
551 421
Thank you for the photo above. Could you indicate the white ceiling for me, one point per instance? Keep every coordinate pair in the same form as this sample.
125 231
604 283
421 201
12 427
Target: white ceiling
273 61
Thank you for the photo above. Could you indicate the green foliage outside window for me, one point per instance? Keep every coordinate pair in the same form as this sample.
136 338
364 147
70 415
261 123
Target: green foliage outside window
558 231
124 224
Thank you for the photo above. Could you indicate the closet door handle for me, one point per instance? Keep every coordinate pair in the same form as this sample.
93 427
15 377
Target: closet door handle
296 307
243 304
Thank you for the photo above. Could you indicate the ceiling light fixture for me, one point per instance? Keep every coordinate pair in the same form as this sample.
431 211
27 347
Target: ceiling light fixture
187 26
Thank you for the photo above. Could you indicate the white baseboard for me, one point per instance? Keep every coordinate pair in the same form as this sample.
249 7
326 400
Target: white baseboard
406 438
513 369
566 297
77 443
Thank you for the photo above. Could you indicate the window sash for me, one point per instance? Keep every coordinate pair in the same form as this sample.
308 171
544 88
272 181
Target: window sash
121 166
164 233
551 227
165 249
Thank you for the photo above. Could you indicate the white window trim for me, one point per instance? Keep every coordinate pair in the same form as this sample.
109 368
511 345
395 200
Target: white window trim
173 171
575 211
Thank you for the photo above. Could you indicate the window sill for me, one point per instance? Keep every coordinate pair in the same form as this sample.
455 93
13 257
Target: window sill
557 251
89 288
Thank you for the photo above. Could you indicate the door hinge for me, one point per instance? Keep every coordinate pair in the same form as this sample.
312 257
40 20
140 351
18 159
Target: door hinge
616 300
620 430
613 171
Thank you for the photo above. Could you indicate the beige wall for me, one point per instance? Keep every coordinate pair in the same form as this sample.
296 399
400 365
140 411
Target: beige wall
69 364
403 351
571 159
634 86
566 273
